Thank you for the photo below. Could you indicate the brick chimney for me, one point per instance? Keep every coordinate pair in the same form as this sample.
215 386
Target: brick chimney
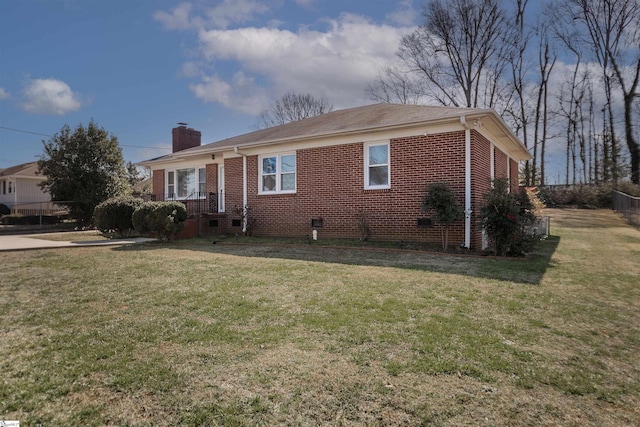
184 137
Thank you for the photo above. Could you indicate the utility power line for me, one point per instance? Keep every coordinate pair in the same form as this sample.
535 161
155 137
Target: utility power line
44 134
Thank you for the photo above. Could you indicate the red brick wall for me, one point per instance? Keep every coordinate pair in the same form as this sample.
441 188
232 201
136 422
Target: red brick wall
481 179
500 164
515 179
212 178
158 183
183 138
233 189
480 183
330 184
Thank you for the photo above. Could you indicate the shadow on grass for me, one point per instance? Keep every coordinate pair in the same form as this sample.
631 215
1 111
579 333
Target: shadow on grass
519 270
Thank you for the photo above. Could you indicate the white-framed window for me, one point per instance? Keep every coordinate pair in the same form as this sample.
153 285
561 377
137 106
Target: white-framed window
277 173
377 173
171 184
202 181
187 183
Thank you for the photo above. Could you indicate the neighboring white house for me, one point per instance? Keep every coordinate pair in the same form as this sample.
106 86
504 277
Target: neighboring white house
19 190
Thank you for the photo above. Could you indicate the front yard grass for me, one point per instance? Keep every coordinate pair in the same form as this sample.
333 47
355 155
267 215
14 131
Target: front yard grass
191 333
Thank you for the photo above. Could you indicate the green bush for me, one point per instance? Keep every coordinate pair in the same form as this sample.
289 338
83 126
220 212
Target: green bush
441 198
115 215
506 217
165 219
140 217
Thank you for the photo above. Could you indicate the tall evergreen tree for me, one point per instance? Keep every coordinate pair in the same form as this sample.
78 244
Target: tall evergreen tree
83 167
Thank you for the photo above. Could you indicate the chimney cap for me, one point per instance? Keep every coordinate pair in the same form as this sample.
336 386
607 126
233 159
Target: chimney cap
182 123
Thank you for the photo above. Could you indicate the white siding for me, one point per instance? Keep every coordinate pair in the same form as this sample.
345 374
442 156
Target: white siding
29 191
26 196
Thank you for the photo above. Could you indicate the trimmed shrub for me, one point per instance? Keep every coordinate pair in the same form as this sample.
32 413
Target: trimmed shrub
115 215
4 209
506 218
140 218
165 219
168 218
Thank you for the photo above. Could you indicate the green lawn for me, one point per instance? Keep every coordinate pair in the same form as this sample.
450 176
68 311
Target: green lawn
192 333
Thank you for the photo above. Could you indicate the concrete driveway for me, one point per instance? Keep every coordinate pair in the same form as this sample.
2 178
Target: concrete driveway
32 241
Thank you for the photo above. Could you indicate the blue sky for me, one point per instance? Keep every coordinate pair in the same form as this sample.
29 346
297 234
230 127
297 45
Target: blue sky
139 67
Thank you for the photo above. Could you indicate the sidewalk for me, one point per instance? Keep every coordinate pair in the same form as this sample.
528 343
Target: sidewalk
31 241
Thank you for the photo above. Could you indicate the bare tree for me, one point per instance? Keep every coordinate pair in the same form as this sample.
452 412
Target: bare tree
458 51
613 28
546 62
518 44
293 107
395 85
573 96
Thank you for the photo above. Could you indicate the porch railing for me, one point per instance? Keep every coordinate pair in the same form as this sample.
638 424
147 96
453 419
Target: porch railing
196 203
628 206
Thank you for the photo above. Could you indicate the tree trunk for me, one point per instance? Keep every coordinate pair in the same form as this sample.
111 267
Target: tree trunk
634 147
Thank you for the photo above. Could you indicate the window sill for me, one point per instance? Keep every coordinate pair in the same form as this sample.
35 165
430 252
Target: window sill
276 193
376 190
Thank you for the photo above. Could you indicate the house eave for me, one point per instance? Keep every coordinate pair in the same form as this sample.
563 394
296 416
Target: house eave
209 149
485 117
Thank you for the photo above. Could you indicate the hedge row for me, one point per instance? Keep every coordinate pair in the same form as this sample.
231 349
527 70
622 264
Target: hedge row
585 196
18 219
122 215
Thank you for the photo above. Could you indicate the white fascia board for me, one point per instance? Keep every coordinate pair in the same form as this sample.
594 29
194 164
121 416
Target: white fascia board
506 140
175 162
29 177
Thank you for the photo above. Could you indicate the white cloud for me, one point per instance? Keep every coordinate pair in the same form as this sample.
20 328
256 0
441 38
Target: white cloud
177 19
241 93
244 67
404 15
337 63
235 12
49 96
222 15
191 69
4 94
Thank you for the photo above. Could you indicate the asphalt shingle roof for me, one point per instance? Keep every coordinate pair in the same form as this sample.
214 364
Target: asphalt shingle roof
24 169
357 119
351 119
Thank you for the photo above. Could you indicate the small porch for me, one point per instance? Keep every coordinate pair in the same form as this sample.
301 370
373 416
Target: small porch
205 212
196 203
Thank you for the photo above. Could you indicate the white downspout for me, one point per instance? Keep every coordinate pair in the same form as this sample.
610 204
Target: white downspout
245 201
467 182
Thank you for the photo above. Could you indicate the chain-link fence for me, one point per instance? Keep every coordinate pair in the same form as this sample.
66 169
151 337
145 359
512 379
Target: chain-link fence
628 206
